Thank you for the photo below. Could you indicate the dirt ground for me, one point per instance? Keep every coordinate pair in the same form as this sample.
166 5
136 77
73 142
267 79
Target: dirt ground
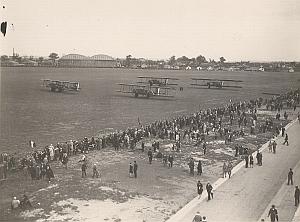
156 193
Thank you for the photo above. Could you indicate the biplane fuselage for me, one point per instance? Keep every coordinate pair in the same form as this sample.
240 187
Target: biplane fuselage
148 87
147 91
60 86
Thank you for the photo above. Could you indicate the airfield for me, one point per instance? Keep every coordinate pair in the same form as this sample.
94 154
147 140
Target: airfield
29 112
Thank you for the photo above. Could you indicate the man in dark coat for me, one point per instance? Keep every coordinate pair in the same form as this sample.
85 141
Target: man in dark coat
199 168
49 173
171 159
290 177
130 170
191 166
150 156
297 195
286 139
273 213
209 191
246 161
259 158
282 131
199 188
83 169
135 167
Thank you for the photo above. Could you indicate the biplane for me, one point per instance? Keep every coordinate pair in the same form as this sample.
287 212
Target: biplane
217 83
157 81
145 90
60 86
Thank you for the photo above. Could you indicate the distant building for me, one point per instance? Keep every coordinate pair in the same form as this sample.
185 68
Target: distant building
30 63
96 61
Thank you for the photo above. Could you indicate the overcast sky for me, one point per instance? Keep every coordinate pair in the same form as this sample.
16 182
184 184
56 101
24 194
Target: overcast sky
255 30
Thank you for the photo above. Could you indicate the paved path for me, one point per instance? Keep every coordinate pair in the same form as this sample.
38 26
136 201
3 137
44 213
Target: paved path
249 193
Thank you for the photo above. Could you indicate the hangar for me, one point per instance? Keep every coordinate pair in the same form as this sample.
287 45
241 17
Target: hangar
96 61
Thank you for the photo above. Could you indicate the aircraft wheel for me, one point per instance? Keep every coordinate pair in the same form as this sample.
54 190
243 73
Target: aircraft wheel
136 95
52 89
148 95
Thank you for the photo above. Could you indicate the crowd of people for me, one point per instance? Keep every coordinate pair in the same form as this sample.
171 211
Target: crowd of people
197 128
193 128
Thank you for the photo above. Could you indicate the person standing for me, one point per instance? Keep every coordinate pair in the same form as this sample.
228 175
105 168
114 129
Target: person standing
65 160
273 213
274 146
246 161
229 168
150 156
204 147
290 177
282 131
259 158
143 146
209 189
171 159
224 169
130 170
49 173
15 203
135 168
286 140
95 171
199 168
83 169
191 166
199 188
251 161
297 194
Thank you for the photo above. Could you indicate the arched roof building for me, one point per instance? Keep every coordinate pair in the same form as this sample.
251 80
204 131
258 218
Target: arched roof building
73 57
102 57
96 61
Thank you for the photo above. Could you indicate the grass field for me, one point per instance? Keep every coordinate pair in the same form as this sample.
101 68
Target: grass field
29 112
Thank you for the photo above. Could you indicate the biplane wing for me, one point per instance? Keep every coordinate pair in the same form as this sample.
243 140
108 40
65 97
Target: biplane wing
218 83
152 77
223 80
161 81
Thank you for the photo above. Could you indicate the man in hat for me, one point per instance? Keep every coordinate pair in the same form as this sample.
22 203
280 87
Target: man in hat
199 188
273 213
209 189
290 177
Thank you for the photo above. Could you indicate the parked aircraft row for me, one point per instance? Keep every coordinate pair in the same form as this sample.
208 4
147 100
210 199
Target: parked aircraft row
148 86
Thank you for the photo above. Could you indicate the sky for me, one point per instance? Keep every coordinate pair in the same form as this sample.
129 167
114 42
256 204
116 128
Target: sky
248 30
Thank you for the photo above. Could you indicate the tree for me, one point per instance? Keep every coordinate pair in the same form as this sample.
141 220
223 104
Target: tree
172 60
128 60
183 60
222 60
4 58
53 56
201 59
41 59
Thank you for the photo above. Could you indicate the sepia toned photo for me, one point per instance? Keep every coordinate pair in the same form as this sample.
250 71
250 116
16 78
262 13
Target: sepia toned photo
150 111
